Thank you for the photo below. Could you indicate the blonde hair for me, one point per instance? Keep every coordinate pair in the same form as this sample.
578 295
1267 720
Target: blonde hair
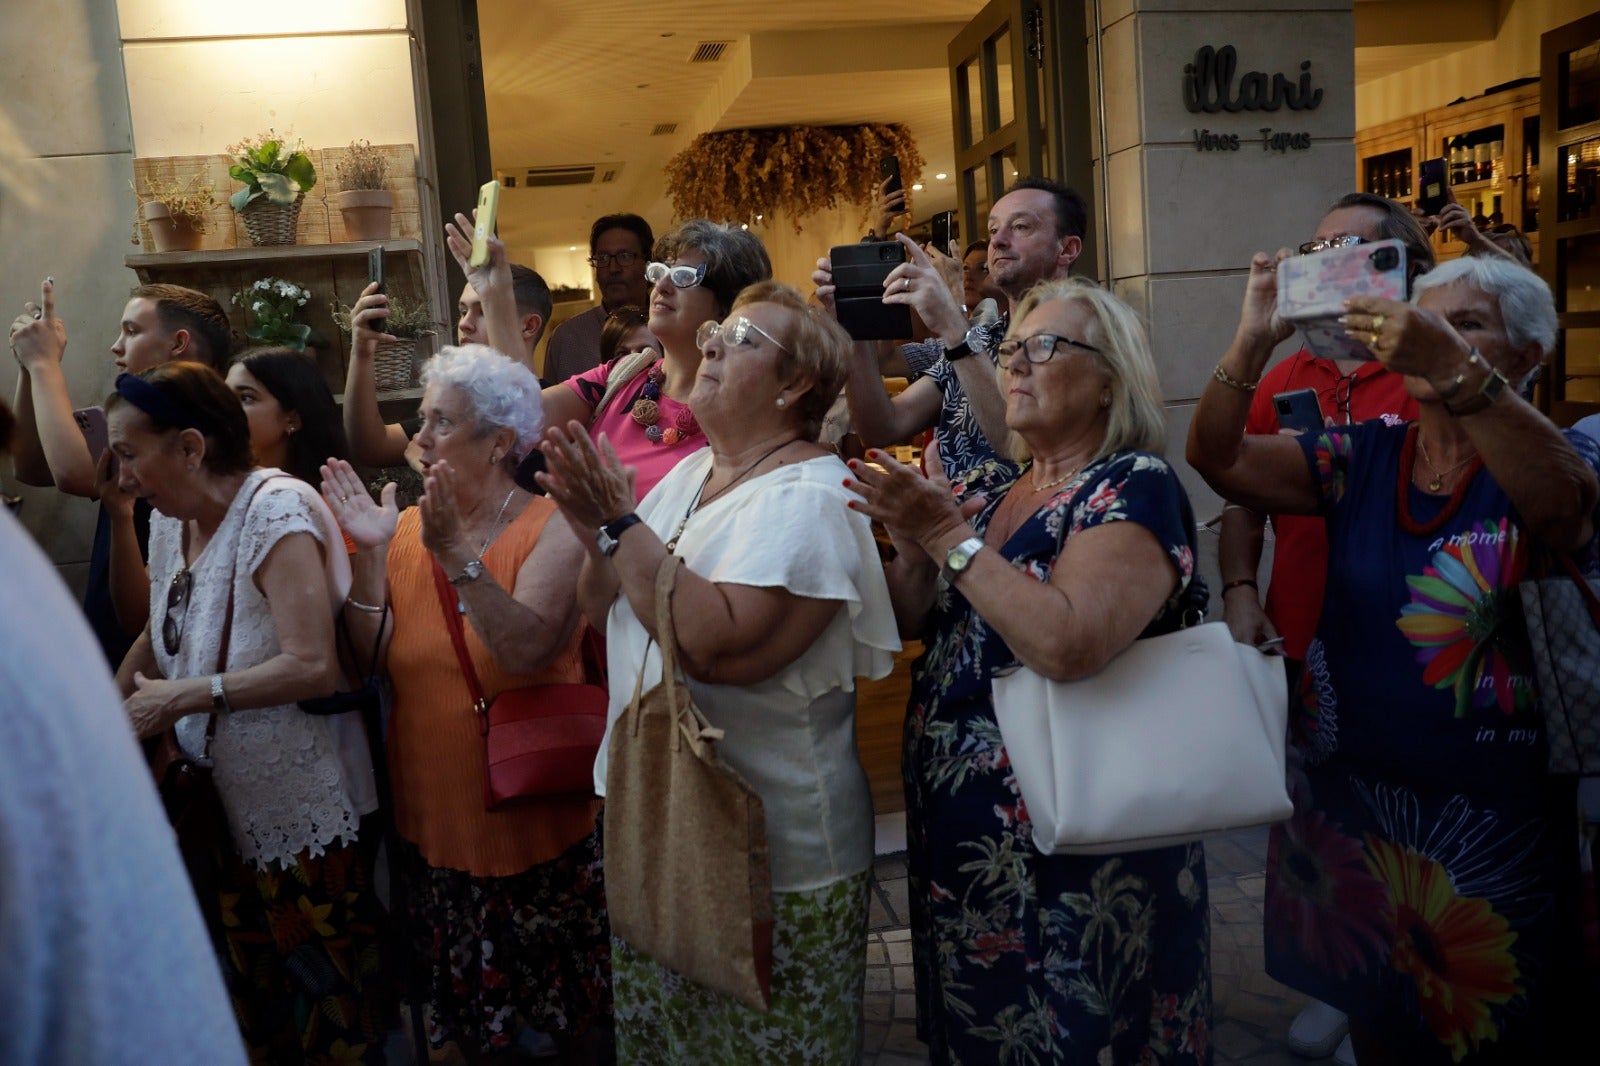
817 345
1135 420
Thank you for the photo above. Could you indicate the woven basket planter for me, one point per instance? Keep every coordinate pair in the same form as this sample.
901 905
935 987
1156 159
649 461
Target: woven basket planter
270 223
395 365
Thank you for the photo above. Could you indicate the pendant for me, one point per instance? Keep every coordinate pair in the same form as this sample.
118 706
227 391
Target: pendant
1436 484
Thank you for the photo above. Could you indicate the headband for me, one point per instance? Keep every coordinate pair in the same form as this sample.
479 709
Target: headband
157 404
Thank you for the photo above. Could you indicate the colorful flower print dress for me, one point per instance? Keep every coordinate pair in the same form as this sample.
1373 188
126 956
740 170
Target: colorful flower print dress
1421 885
1023 958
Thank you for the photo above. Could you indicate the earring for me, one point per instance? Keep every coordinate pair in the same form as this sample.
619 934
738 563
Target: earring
1105 398
494 458
781 401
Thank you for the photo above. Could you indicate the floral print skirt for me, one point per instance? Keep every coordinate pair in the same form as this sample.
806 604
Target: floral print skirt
533 948
819 972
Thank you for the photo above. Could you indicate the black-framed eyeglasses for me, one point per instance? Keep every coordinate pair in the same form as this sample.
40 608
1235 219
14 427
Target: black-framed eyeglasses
1348 240
682 277
603 259
735 333
1341 397
1040 347
177 610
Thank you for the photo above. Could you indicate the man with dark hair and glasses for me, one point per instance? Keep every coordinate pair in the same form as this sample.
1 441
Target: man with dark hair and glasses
1348 390
619 250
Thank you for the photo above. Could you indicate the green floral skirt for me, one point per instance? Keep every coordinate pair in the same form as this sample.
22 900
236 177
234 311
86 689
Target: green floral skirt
819 972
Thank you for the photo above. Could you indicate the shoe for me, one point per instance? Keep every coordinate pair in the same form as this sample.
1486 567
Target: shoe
1317 1030
1345 1055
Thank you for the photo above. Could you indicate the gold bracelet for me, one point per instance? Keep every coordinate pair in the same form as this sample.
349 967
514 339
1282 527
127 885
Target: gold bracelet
358 605
1233 382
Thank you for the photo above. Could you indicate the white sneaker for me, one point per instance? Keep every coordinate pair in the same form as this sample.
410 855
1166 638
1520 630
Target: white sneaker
1345 1055
1317 1030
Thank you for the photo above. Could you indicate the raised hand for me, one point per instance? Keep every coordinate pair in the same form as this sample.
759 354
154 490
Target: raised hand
822 278
370 525
373 305
919 284
1259 320
916 510
38 337
588 483
885 206
440 505
1405 338
493 276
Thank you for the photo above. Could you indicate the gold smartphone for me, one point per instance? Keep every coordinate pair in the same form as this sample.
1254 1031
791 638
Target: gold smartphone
488 203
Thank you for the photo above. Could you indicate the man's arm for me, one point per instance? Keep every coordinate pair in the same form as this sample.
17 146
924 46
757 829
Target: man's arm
878 419
492 283
40 344
372 442
27 457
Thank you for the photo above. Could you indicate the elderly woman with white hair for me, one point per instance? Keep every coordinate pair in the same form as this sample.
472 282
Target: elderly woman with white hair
1426 884
507 905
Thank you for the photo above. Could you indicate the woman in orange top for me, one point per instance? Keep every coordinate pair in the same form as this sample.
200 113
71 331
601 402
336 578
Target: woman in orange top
507 906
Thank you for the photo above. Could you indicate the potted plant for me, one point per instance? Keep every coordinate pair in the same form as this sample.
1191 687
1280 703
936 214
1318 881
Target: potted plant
277 174
176 212
364 203
274 306
394 365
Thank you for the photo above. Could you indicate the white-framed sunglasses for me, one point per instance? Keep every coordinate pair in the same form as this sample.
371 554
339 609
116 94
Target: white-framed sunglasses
735 333
682 277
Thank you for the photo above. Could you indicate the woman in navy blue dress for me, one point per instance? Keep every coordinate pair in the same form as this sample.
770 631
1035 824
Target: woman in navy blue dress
1020 957
1426 883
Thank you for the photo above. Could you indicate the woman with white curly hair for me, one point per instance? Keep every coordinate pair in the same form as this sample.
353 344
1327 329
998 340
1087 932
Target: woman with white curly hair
507 906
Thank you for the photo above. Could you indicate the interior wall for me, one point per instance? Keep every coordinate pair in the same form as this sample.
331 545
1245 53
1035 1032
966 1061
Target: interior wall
1513 54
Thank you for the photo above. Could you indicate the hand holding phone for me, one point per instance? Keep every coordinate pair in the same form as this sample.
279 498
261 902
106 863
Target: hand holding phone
859 271
1312 290
1299 411
944 231
1432 190
889 173
375 277
92 424
488 207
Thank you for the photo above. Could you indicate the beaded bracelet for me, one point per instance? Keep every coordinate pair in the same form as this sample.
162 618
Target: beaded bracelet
1233 382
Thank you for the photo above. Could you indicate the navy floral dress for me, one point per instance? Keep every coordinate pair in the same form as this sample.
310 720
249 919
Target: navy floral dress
1424 884
1020 957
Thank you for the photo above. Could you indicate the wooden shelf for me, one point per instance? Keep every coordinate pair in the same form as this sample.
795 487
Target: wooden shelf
268 253
388 397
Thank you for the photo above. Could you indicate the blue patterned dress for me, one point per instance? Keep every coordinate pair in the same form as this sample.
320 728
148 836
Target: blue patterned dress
1424 883
1023 958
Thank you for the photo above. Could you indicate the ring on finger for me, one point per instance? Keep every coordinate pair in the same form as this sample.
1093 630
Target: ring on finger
1377 323
1373 343
905 284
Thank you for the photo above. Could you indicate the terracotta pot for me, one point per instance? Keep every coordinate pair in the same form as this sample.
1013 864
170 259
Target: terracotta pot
366 213
171 233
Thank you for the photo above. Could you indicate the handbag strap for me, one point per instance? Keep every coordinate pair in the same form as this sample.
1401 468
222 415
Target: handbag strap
666 581
1591 602
458 637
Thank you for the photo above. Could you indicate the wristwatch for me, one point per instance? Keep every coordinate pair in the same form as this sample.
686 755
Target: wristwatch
959 558
219 698
611 533
471 572
972 342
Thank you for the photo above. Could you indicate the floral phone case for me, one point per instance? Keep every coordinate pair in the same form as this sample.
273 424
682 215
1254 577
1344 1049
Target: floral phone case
1312 290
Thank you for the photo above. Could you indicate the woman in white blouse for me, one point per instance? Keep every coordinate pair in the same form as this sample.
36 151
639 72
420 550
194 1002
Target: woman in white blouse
780 607
246 570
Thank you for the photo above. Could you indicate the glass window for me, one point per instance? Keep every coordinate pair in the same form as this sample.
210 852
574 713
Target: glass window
1580 85
1006 91
1580 175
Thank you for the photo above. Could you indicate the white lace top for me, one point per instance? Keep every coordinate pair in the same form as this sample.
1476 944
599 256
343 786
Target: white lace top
289 781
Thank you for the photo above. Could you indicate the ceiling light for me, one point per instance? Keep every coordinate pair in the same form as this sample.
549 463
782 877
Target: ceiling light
744 225
572 247
758 218
941 177
917 187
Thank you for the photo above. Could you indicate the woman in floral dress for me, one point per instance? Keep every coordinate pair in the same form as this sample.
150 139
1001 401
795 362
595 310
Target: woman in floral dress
1020 957
1426 883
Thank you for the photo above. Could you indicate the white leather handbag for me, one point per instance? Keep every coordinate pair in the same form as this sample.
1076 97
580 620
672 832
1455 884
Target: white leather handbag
1180 737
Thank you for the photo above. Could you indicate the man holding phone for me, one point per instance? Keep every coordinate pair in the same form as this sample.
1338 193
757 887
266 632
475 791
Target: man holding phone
1345 391
160 323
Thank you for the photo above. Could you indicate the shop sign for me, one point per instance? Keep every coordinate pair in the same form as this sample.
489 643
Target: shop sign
1209 88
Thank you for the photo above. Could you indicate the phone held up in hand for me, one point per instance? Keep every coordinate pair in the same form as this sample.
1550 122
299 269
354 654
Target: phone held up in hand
1298 410
859 271
92 424
375 274
1312 290
944 231
889 167
488 205
1432 193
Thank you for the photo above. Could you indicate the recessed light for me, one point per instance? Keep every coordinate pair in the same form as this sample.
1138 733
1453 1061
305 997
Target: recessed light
917 187
667 35
572 247
646 85
941 177
744 225
758 218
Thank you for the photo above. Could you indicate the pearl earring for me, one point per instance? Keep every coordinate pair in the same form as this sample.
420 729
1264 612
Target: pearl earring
781 401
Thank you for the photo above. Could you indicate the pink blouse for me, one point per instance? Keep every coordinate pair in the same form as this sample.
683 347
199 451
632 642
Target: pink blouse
652 459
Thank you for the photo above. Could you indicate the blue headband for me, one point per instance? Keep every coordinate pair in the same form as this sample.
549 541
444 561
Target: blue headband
157 404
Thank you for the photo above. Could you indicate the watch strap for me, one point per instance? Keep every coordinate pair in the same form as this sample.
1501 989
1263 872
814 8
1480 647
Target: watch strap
959 558
611 533
960 350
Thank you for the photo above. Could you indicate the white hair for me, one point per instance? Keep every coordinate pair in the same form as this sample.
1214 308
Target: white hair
1526 306
502 393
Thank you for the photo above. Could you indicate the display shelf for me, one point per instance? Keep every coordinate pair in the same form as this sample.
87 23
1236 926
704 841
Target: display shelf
142 262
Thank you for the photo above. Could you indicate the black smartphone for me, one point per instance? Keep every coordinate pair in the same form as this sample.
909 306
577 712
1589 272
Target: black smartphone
375 273
1299 411
889 167
944 230
859 271
1432 192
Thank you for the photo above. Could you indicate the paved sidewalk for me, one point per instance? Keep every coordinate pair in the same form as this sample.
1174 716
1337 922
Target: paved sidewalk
1252 1011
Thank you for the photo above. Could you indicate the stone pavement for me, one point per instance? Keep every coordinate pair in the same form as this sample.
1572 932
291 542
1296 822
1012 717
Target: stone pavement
1252 1011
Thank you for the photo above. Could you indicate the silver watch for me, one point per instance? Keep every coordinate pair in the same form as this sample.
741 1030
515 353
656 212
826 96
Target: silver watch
959 558
471 572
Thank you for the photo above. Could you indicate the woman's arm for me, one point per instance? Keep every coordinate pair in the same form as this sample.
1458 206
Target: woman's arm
293 580
371 526
130 580
140 660
598 587
913 582
529 626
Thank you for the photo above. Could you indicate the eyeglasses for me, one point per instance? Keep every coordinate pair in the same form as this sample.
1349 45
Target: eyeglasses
1341 396
1349 240
735 333
177 610
682 277
1039 347
604 259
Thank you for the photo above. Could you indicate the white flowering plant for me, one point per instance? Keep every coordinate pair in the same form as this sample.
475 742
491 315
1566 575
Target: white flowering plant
274 306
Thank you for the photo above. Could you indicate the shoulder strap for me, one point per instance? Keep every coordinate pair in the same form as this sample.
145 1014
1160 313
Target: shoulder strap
448 603
623 371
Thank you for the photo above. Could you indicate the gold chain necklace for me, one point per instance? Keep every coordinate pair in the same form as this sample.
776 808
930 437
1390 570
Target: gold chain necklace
1062 480
1437 483
696 503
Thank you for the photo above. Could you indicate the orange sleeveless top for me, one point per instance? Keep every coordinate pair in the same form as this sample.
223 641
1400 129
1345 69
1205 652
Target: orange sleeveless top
436 758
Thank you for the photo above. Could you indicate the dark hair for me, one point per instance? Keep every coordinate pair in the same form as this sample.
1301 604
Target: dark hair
618 324
199 390
1072 214
1398 224
735 258
632 223
532 294
296 382
975 246
187 309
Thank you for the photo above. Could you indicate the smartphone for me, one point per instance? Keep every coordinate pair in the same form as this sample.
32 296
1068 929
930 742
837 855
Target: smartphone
1312 290
1299 410
944 230
859 271
375 273
488 204
92 424
889 167
1432 192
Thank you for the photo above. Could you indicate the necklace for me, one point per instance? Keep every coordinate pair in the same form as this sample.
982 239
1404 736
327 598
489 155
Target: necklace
1437 482
696 503
646 412
1062 480
1402 504
496 527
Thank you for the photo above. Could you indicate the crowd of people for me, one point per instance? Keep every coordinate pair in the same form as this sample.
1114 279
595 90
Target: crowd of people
267 613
